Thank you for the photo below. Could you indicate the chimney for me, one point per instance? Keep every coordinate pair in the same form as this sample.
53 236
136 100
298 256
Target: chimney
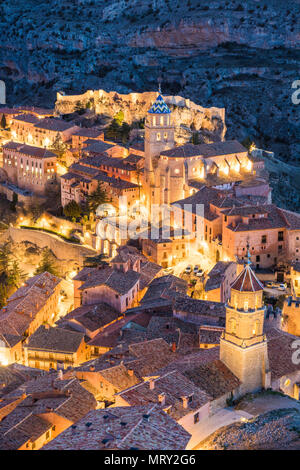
162 399
184 402
92 368
151 384
130 372
173 347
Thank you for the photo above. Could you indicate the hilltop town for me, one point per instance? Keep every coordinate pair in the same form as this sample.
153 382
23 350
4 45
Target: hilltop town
150 285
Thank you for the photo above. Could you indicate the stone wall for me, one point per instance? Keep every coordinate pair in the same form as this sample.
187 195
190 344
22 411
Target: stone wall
64 251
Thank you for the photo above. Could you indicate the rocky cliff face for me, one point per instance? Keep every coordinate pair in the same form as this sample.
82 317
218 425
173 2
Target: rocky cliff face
241 55
187 116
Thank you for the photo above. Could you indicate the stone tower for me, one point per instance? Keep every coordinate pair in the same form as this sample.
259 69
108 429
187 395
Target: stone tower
159 136
243 345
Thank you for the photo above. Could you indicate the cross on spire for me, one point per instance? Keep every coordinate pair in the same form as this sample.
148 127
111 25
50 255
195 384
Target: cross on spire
159 87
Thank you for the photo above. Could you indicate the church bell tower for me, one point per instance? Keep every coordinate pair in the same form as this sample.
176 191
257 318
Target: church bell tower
159 136
243 345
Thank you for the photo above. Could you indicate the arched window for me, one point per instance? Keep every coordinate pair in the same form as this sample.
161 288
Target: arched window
158 136
246 305
161 120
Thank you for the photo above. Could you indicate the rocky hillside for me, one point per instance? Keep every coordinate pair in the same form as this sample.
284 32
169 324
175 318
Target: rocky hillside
241 55
275 430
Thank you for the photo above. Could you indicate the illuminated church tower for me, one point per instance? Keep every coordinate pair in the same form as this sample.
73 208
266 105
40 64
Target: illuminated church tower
159 136
243 345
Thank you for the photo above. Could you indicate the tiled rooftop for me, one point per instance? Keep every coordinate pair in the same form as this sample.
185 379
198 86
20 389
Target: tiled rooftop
54 339
124 428
173 385
206 150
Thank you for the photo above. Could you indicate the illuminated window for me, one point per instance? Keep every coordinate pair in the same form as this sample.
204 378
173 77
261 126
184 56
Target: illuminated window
176 171
255 330
287 382
158 136
246 305
161 120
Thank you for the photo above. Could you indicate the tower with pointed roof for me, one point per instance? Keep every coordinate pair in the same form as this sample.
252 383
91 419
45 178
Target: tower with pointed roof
243 345
159 136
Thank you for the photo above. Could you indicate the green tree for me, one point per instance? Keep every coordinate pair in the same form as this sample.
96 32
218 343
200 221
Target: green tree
119 118
96 261
3 122
5 257
3 295
59 148
96 198
125 129
195 138
247 142
72 210
14 202
47 264
15 276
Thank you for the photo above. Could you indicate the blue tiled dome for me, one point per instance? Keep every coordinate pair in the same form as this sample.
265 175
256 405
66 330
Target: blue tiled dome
159 107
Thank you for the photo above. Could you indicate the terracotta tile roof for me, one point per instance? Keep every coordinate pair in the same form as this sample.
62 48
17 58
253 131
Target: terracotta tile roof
208 197
292 219
247 281
115 182
91 132
170 328
36 152
187 361
164 287
214 378
133 159
280 353
29 429
206 150
53 124
14 375
119 377
210 334
174 386
125 428
25 303
65 397
97 147
54 339
30 118
199 307
274 218
92 316
117 280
